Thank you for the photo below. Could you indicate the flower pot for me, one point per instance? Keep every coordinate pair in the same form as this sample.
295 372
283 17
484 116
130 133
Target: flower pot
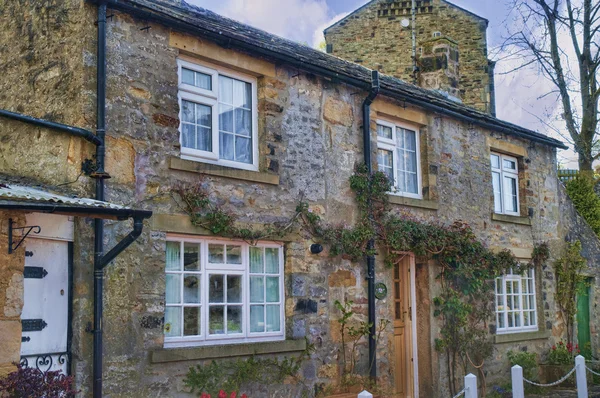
552 373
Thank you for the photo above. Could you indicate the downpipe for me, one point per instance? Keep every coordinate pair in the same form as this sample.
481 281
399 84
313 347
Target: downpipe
374 91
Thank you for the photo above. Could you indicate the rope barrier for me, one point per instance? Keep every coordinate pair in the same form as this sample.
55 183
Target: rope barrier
460 393
591 371
565 377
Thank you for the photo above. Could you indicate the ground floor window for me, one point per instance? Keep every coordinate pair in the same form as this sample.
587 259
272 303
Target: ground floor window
222 291
516 309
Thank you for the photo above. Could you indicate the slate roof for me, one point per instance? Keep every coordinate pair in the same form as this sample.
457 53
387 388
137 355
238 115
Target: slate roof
232 34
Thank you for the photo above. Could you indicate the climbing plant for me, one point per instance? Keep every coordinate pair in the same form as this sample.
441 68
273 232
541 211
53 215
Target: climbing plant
468 269
568 270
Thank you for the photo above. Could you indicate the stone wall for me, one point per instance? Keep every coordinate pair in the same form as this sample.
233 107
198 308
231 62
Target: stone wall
310 140
374 37
11 296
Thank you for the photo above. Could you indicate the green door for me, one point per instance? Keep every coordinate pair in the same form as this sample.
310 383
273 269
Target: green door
583 320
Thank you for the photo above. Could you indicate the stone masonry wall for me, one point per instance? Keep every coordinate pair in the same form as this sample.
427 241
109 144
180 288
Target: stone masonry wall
11 296
380 42
310 140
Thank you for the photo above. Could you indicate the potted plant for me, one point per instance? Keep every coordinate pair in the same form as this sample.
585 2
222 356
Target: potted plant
561 360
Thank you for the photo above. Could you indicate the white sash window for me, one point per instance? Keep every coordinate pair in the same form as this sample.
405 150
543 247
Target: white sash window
505 180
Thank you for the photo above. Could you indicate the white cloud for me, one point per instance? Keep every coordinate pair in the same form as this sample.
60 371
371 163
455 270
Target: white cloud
296 20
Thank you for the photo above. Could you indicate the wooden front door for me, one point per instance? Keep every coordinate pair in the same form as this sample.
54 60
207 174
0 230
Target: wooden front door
404 376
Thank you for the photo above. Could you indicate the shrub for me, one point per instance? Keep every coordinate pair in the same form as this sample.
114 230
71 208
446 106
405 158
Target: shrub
526 360
563 354
585 200
30 383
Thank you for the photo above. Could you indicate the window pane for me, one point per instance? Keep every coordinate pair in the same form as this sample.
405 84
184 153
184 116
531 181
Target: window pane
401 181
173 321
191 253
227 149
411 161
412 183
273 321
497 192
187 76
173 259
204 81
242 94
243 149
272 289
499 283
272 260
215 289
234 319
226 118
204 115
191 321
234 254
173 290
510 194
257 318
501 321
384 131
495 161
256 260
257 289
188 135
191 289
410 140
400 138
234 288
216 320
386 162
509 164
215 254
187 111
243 122
226 90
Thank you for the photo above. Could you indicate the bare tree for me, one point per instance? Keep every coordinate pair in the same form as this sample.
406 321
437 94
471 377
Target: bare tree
562 38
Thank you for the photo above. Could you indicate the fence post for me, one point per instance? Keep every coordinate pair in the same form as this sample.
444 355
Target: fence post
470 386
365 394
580 372
516 373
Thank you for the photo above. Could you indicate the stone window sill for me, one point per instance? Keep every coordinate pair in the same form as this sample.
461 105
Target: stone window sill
412 202
164 355
176 163
525 336
511 219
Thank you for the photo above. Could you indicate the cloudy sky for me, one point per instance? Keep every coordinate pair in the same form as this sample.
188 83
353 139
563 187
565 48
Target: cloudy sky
520 96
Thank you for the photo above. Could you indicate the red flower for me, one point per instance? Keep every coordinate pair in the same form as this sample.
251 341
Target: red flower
233 395
222 394
554 348
560 343
244 396
205 395
577 346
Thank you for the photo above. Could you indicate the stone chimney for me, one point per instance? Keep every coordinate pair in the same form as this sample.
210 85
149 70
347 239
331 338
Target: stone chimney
439 65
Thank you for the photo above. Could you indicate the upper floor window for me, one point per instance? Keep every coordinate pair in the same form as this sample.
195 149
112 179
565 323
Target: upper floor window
222 291
398 157
218 116
515 302
505 179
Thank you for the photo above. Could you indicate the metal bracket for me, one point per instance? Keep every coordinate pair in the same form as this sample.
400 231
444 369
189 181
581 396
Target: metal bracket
36 229
33 325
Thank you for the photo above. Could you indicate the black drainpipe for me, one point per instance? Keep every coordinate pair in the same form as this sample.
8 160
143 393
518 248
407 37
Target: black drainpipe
100 175
371 244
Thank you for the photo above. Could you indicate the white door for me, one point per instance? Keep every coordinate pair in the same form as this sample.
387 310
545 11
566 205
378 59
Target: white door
45 316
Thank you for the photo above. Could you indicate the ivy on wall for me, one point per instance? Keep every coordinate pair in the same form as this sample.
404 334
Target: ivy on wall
468 269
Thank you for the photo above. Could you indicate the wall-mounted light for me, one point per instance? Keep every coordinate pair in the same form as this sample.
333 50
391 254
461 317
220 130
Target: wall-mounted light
316 248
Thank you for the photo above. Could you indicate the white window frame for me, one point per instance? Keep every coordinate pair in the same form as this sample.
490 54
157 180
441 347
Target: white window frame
390 145
206 269
509 174
210 98
520 279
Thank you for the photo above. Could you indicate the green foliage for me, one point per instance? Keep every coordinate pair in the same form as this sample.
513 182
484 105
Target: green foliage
526 360
232 375
563 354
203 213
569 276
585 200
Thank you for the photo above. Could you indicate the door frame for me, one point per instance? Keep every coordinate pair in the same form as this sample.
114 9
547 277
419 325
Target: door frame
413 314
47 220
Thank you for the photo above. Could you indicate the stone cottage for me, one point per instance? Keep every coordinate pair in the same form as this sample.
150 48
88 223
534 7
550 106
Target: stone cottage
159 95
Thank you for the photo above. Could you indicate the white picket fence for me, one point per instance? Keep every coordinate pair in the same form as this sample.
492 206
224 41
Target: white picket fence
580 371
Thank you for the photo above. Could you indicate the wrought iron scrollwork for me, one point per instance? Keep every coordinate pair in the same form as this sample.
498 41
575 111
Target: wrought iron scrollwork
45 362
